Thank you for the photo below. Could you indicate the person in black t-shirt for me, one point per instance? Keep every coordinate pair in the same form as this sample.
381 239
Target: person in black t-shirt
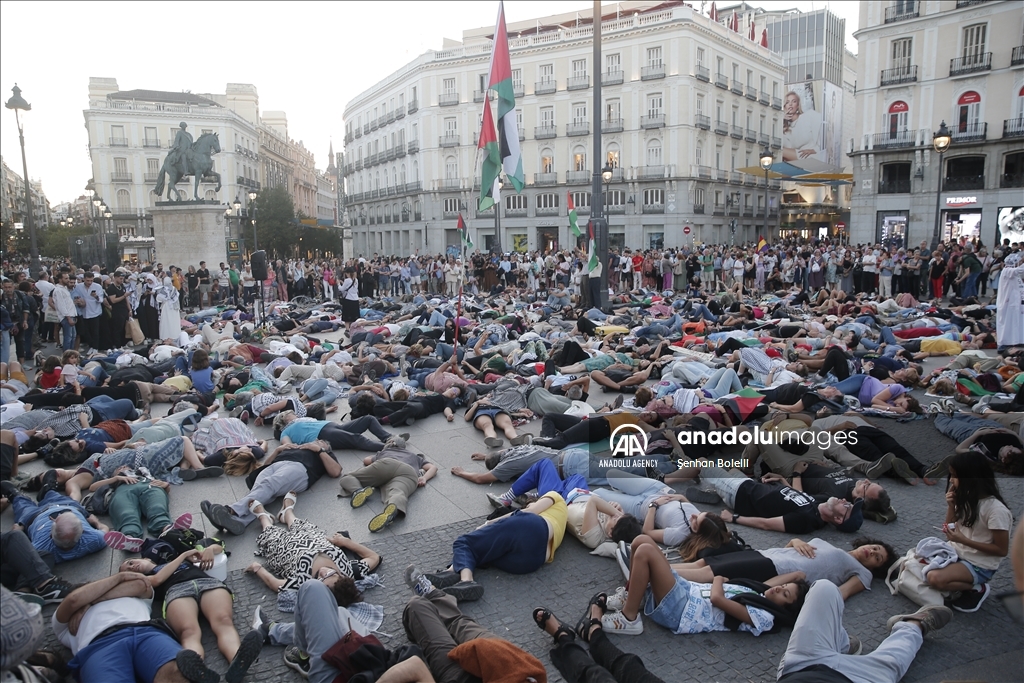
822 480
288 470
204 285
183 590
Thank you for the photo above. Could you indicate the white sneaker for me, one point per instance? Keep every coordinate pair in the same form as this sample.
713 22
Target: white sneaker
616 622
617 600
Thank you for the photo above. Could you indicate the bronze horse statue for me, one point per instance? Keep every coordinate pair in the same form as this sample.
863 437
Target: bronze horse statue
198 161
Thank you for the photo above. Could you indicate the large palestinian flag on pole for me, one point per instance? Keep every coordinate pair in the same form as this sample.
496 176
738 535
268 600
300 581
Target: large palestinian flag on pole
500 81
490 182
464 233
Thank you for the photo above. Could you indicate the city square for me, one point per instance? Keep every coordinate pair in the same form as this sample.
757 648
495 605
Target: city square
722 227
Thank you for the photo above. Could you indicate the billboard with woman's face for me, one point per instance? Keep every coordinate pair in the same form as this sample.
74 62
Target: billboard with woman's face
812 122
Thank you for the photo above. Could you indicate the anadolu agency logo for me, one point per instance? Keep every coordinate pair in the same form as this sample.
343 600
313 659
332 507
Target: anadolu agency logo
628 441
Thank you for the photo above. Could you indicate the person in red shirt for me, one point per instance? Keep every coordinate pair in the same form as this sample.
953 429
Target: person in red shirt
638 269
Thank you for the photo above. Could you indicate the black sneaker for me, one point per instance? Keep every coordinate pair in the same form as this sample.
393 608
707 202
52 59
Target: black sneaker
443 579
466 591
55 590
192 667
247 653
696 495
9 490
970 601
48 483
297 661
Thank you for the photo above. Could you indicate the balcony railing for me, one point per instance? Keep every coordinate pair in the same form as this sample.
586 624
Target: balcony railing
612 77
902 12
721 127
1017 56
702 73
764 98
763 139
478 95
615 208
375 124
736 87
577 83
719 209
449 214
735 177
971 182
733 209
413 107
448 141
970 132
894 140
518 91
958 66
651 172
776 102
654 208
611 126
751 93
578 177
1013 128
968 3
357 132
736 132
359 165
703 172
150 177
400 112
545 132
616 175
151 143
722 81
1011 180
575 129
522 134
899 74
545 178
702 122
120 177
900 186
545 87
451 184
118 142
749 180
547 210
366 129
656 121
448 99
698 208
750 135
413 146
776 142
651 72
748 211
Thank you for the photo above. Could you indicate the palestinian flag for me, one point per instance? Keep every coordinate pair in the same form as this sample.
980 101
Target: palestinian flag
464 233
572 217
490 184
500 81
592 248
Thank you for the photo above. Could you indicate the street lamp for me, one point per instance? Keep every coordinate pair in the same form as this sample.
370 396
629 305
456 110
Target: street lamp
940 140
252 215
766 163
18 103
606 174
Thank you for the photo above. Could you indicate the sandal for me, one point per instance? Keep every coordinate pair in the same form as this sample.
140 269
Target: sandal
253 504
586 622
541 616
290 499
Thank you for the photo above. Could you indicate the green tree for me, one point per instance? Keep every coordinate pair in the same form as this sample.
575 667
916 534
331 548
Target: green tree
275 222
53 239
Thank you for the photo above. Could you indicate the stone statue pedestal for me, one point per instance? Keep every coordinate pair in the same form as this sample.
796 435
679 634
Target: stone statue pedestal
186 233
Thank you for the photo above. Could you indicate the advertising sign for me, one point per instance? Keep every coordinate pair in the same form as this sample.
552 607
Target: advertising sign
1010 224
812 122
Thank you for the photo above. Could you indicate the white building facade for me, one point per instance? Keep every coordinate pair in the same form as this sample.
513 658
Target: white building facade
686 103
923 63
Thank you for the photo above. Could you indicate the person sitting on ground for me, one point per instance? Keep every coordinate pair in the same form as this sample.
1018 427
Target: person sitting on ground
183 590
108 627
1003 448
397 471
684 607
850 570
56 524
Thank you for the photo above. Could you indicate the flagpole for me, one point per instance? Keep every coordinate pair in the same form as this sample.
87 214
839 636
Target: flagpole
596 198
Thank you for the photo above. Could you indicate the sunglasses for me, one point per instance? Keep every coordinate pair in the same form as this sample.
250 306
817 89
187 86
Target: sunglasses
329 574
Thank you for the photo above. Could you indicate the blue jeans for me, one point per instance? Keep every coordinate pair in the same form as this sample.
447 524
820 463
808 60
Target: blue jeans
68 334
107 408
517 544
543 476
970 287
959 427
631 492
445 351
851 385
886 335
702 311
723 381
5 346
655 330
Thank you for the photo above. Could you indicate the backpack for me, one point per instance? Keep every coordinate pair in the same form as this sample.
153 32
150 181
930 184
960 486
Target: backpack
98 502
174 542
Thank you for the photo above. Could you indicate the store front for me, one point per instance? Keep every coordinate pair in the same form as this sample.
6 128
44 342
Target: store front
891 229
547 239
961 218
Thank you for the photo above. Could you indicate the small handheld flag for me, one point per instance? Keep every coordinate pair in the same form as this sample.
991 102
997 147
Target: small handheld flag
572 216
464 233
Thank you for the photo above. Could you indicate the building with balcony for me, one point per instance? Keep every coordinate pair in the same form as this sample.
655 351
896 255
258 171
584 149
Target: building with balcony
12 201
923 63
130 132
657 102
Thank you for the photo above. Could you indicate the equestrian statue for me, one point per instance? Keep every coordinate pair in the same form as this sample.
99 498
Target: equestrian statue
188 158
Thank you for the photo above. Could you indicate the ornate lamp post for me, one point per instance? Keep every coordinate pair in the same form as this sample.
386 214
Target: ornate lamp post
940 140
18 103
252 216
767 159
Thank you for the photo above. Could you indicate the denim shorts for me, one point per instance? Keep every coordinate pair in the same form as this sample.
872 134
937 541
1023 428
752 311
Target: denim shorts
193 589
669 611
980 576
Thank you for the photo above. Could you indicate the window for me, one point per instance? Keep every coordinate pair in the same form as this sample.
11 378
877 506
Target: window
901 53
580 199
760 125
612 158
612 110
654 104
547 72
579 113
451 168
151 136
547 117
700 105
750 77
152 166
579 68
896 118
654 56
720 63
547 162
517 79
718 111
121 166
698 155
763 83
700 56
615 198
974 43
124 201
519 120
735 116
718 158
448 86
654 153
413 93
613 63
515 201
548 200
482 78
451 126
698 196
579 160
968 111
735 71
451 205
654 197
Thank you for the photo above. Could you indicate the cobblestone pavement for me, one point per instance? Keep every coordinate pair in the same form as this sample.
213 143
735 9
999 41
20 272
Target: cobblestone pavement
981 646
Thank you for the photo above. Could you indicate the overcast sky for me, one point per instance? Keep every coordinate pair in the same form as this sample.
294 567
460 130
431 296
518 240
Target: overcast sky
307 59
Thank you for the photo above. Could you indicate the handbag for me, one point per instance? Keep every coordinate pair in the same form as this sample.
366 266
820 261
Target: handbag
340 655
133 331
51 316
905 577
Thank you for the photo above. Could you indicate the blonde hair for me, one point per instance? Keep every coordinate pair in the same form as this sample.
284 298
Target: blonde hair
238 463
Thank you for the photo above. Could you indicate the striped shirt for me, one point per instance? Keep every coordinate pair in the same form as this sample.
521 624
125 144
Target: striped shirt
65 422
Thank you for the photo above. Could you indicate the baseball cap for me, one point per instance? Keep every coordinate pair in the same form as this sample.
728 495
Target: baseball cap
855 520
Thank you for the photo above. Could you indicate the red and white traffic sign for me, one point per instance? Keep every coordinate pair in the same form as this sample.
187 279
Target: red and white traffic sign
686 230
840 225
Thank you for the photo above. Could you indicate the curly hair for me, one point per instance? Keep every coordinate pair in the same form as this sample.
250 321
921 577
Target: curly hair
626 529
891 554
345 592
642 397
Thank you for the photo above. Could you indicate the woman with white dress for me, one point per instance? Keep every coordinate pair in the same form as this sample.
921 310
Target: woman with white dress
1010 302
170 313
